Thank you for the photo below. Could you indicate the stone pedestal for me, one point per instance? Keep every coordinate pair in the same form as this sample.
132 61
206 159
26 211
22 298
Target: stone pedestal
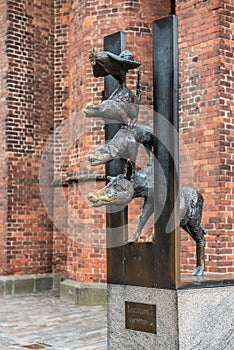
198 317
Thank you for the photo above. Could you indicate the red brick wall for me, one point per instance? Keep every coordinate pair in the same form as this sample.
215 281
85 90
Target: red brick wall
44 50
61 136
206 97
29 51
3 113
225 228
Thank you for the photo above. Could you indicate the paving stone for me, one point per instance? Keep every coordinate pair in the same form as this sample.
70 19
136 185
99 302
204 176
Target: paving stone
43 318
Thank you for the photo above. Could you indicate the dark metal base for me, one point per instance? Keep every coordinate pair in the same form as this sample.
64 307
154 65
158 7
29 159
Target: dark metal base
206 281
131 264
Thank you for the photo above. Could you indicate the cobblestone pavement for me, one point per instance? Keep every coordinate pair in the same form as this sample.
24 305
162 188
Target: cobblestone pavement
38 321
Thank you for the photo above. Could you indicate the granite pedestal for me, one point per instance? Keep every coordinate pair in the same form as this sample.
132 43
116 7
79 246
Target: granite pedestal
195 317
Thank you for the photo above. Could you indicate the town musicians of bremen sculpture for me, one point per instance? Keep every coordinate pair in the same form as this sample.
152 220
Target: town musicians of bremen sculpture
123 106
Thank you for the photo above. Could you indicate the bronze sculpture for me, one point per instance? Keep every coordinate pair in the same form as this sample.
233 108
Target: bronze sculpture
123 103
120 191
105 63
124 145
121 106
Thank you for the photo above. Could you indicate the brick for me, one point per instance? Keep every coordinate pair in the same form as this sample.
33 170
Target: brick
207 73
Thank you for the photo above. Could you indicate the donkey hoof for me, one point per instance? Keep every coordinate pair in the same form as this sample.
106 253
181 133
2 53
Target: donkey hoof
199 271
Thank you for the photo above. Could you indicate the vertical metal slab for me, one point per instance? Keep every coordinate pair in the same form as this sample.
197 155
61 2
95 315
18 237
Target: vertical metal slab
116 221
114 43
165 61
129 264
173 7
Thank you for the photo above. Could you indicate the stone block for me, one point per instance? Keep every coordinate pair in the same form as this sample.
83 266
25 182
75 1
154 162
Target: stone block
92 294
83 293
23 284
186 319
19 284
9 287
206 318
2 288
68 290
57 279
119 337
43 282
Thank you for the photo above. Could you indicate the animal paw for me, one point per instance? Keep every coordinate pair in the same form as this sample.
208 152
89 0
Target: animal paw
133 238
199 271
150 239
133 122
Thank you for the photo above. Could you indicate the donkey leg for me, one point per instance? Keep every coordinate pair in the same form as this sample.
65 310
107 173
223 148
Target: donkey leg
200 251
197 232
195 229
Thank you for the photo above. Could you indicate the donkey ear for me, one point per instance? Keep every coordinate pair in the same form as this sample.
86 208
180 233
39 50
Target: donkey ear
110 178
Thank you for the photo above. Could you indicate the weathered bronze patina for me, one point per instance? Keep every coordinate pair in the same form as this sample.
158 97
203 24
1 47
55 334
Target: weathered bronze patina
120 191
123 104
122 108
105 63
124 145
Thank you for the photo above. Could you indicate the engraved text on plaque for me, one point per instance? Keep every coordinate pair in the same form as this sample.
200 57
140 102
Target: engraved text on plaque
140 317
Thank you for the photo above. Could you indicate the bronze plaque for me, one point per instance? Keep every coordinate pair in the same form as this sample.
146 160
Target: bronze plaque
140 317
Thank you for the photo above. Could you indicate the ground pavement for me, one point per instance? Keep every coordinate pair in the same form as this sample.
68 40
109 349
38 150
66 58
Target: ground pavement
42 321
